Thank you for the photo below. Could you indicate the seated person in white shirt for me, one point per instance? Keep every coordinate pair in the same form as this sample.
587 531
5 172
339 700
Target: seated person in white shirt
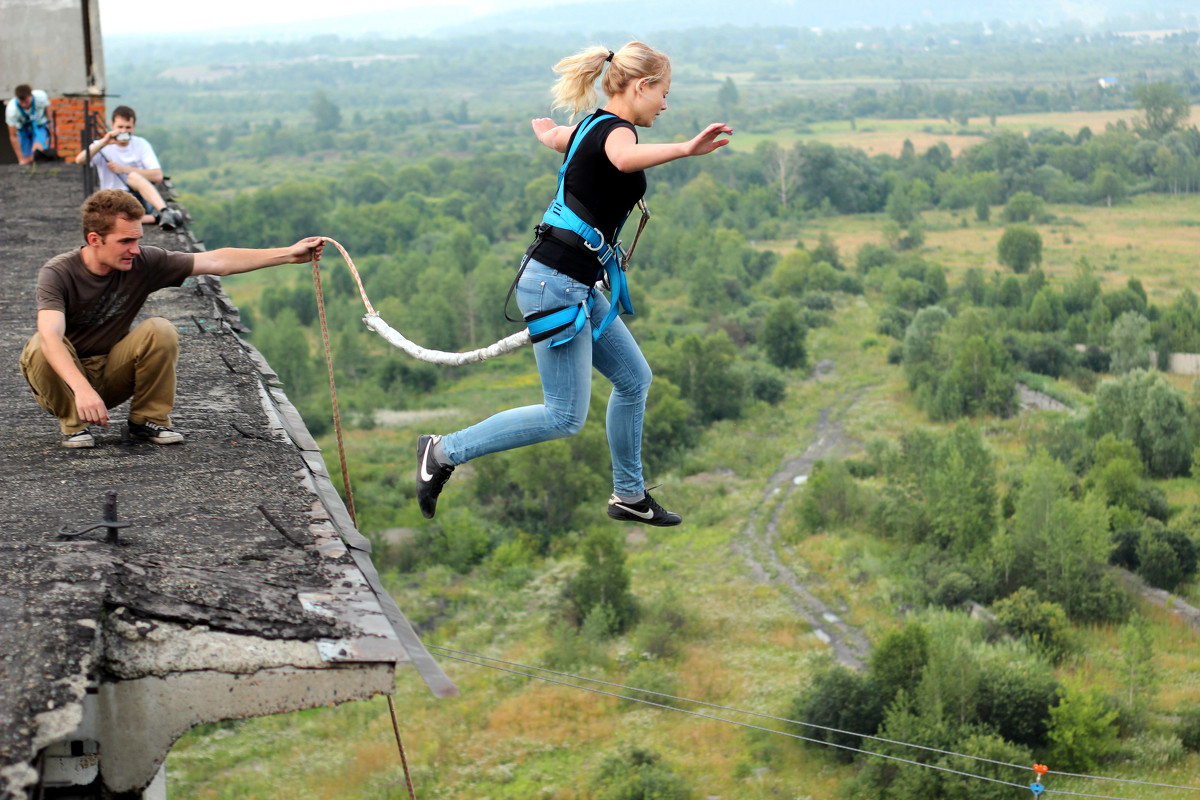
128 162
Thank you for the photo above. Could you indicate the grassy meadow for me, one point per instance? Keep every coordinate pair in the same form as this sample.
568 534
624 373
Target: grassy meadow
876 136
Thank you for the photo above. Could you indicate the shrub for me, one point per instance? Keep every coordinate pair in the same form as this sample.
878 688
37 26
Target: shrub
831 497
637 774
1043 624
604 579
842 699
1189 728
1082 733
953 590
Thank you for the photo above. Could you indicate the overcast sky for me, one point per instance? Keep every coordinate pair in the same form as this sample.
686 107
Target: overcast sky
212 15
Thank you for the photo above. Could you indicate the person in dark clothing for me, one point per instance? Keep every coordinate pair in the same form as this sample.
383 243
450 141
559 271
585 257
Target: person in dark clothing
603 178
88 355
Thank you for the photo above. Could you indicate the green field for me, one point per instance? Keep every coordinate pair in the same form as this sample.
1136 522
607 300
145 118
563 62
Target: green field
876 136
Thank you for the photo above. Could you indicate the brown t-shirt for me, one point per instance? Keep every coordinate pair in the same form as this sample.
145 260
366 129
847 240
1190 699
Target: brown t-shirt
99 310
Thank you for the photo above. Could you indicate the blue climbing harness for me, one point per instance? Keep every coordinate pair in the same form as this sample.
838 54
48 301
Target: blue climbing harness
545 324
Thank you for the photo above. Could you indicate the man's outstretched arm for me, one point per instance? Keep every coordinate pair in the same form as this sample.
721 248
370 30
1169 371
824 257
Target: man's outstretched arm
236 260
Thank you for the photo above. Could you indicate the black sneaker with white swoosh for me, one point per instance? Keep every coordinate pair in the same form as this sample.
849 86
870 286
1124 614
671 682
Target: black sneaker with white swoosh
646 511
431 476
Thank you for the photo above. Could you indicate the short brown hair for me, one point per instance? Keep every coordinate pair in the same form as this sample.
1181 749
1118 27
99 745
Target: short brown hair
101 210
125 112
23 91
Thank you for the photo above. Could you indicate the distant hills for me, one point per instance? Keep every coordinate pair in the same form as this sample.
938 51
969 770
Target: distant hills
639 18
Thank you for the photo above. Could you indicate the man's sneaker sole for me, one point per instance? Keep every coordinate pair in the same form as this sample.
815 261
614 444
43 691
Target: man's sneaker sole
79 439
431 476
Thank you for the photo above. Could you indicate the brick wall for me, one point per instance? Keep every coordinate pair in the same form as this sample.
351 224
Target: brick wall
67 122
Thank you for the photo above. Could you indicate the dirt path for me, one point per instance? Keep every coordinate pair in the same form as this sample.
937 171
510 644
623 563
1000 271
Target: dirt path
761 549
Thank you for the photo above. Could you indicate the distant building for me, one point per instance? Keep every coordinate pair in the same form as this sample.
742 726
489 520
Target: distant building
1107 83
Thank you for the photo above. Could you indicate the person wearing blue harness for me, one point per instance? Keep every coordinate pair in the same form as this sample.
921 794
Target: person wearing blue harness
573 325
28 127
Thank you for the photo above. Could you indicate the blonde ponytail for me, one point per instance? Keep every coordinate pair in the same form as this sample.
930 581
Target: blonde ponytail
576 87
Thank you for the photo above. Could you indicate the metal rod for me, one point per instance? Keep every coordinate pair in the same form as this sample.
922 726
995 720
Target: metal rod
110 514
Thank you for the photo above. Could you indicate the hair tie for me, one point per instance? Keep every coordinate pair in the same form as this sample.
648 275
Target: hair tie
610 56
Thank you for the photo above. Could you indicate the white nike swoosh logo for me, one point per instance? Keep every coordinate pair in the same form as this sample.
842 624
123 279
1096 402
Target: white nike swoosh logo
635 512
426 475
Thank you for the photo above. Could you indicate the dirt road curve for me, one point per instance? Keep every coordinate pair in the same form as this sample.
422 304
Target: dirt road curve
761 549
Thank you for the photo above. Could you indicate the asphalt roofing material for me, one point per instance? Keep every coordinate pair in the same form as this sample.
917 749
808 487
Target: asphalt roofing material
234 531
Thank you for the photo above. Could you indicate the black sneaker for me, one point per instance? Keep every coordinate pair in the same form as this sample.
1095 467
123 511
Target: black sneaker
431 476
169 219
645 510
81 438
153 432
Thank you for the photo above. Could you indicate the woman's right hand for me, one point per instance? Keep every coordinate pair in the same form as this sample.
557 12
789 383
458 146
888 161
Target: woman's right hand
706 141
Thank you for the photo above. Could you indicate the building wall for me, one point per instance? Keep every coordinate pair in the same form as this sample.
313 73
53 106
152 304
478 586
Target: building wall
54 45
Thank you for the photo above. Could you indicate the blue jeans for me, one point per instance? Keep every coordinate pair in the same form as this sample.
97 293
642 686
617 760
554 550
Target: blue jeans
566 373
31 134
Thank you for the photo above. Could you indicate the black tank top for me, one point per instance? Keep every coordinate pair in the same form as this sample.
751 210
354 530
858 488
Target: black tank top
606 194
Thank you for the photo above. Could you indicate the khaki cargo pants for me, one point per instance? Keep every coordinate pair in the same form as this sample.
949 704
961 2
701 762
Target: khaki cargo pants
141 366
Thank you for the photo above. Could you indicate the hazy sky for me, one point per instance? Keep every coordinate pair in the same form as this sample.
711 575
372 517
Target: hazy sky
221 14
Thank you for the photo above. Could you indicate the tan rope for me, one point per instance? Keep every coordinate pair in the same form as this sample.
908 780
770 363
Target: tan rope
337 426
337 416
412 794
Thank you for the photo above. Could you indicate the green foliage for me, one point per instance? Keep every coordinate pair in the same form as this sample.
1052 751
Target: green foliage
1023 207
1020 248
899 659
842 699
953 590
703 369
1165 558
570 649
1044 625
662 628
1139 675
602 583
667 431
325 113
652 683
783 336
1130 343
967 697
1189 728
543 488
831 497
1164 108
457 539
957 369
1144 408
1016 691
1082 728
637 774
1060 545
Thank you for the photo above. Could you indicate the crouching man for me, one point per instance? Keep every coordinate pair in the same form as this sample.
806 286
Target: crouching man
84 358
